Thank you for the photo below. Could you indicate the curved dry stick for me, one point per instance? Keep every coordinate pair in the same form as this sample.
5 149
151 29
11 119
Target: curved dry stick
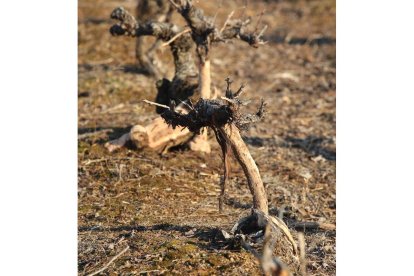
281 225
175 37
110 262
231 133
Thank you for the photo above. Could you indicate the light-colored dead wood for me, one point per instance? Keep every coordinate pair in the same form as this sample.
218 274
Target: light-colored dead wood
282 226
160 137
200 143
117 143
175 37
157 135
205 79
156 104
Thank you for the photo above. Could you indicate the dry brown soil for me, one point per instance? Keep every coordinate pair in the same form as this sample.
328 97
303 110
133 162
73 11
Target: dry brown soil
165 207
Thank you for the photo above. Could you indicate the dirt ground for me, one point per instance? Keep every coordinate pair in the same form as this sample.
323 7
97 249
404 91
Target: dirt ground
165 208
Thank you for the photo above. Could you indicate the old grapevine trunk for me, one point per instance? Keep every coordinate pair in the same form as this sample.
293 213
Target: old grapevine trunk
242 154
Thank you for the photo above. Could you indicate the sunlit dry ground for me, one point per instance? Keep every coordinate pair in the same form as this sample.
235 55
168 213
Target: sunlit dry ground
166 208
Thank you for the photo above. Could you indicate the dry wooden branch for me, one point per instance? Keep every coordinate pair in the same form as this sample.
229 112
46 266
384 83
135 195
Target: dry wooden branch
156 104
204 31
227 21
311 225
110 262
93 134
157 136
175 37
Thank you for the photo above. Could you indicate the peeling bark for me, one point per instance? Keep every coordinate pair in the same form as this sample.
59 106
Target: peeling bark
205 80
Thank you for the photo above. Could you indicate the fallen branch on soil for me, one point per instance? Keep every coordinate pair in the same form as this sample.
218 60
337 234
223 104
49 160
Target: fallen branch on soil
95 133
157 135
110 262
311 225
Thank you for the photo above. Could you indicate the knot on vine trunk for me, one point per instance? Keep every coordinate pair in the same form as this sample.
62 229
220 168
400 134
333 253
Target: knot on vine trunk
206 113
215 113
127 25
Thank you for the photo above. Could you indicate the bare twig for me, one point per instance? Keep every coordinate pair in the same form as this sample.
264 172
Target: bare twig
111 261
156 104
228 100
258 21
174 4
262 31
175 37
246 2
187 105
227 21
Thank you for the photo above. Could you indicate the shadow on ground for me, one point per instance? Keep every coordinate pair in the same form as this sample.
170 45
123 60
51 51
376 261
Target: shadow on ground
312 145
212 236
